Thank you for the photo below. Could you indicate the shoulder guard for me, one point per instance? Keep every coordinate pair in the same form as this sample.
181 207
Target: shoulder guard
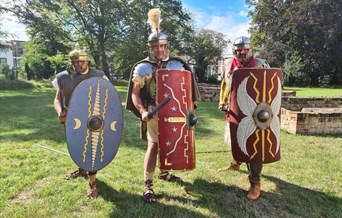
59 75
143 69
261 63
175 65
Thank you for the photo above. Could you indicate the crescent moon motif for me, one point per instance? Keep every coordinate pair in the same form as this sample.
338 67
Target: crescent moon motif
77 123
113 126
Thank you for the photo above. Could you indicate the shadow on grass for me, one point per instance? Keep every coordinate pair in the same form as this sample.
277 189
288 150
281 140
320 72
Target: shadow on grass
131 205
287 200
302 201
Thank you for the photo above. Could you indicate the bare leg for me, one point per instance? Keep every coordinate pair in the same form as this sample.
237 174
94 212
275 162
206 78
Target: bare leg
93 190
149 168
151 157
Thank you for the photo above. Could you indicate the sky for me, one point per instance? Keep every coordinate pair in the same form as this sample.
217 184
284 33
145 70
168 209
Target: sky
226 16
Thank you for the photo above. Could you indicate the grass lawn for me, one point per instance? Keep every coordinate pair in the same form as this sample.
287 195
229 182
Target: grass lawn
306 182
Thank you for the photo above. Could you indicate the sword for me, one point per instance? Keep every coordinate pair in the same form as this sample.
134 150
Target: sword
158 107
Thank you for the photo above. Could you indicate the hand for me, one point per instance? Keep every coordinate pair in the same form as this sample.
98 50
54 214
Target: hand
144 116
222 107
62 116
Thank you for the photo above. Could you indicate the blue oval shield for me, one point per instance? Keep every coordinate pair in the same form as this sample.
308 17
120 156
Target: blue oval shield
94 124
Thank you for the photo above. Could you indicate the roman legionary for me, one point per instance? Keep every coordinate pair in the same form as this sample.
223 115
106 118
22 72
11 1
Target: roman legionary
65 83
141 98
243 58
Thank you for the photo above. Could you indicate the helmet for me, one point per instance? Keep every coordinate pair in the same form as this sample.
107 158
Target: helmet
80 55
156 37
243 42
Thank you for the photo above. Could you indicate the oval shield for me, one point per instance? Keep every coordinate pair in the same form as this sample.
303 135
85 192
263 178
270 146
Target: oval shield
254 115
94 124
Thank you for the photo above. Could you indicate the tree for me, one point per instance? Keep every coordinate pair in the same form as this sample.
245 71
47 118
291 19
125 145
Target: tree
310 29
208 47
176 24
110 30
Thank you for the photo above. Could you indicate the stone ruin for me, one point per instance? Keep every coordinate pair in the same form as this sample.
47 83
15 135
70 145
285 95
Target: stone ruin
209 92
312 115
299 115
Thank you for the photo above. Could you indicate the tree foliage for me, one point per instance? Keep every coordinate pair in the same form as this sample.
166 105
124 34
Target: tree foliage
310 29
114 32
208 46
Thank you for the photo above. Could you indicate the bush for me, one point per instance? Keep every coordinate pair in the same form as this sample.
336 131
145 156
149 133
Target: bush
15 85
293 74
212 79
5 70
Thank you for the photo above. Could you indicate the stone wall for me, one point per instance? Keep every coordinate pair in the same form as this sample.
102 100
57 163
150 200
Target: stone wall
299 115
312 115
298 103
209 92
312 121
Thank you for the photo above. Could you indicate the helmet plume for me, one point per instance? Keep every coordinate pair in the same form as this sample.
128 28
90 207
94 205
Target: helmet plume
154 19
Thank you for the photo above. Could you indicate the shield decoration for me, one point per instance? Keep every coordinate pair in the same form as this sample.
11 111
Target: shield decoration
175 136
254 115
94 124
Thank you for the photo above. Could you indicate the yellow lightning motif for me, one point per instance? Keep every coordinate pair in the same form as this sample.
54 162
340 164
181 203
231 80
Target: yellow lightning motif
254 144
254 87
269 93
87 135
103 118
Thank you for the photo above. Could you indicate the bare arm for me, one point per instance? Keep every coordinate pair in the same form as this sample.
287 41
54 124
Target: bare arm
58 106
138 103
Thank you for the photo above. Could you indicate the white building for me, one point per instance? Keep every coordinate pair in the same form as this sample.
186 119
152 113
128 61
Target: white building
12 55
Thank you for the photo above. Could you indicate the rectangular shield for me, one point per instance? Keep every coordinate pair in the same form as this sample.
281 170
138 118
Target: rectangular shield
175 138
254 115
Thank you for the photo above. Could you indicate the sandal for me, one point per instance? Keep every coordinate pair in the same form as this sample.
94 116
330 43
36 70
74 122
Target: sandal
77 173
234 165
93 191
169 177
148 195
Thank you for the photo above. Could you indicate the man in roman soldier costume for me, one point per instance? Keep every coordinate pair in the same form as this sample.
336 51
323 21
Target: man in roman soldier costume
65 83
243 58
141 98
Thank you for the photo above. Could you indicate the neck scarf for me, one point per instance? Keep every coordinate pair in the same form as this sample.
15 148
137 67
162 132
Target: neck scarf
236 64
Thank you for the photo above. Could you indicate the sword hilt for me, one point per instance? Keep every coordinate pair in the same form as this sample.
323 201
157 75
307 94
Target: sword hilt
158 107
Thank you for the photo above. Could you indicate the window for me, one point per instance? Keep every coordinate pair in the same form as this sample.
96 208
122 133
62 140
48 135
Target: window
3 60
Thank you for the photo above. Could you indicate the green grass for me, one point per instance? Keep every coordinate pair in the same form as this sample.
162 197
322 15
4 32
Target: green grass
302 92
306 182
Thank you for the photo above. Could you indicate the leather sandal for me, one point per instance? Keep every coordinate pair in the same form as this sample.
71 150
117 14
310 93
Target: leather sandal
148 195
169 177
234 165
93 191
76 173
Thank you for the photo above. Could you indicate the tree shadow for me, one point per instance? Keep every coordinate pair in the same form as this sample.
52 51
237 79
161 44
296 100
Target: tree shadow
292 198
286 200
132 205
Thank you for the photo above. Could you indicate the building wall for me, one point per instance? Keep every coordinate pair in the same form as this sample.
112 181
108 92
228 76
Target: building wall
8 55
12 55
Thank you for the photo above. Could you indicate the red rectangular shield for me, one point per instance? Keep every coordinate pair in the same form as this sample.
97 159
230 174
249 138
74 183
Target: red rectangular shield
175 139
254 115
